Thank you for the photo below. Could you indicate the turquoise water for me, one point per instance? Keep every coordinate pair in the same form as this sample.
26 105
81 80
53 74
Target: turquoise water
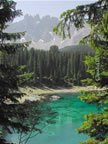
70 116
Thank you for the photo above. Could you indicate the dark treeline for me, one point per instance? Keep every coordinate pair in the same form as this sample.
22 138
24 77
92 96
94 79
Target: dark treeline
54 67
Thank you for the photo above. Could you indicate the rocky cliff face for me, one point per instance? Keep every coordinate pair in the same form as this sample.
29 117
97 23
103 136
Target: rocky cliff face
39 31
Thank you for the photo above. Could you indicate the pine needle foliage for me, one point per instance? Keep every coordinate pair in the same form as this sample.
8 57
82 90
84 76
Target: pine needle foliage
96 15
12 114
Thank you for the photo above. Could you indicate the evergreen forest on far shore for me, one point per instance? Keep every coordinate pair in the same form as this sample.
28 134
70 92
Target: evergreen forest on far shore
54 67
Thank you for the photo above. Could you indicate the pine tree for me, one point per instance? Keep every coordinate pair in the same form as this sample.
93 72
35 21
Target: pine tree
10 113
96 15
97 124
15 117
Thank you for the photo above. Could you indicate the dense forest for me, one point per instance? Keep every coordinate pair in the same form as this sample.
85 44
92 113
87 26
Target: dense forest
54 67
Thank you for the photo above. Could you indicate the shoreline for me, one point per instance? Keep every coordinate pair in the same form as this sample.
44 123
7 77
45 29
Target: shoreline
34 93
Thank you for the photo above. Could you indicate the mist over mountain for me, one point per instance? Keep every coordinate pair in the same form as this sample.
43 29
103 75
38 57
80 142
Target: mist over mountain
39 31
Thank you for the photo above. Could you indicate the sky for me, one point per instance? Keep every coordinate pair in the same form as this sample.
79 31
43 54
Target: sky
47 7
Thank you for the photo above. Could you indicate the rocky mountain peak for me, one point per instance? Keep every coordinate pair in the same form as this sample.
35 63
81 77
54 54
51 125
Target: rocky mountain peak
39 31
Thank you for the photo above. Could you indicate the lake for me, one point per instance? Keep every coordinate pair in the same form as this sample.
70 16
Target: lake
70 116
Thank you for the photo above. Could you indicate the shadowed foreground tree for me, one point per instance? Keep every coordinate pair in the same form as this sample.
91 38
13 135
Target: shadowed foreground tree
96 15
8 74
14 117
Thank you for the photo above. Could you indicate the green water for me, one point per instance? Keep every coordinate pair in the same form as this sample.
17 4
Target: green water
70 116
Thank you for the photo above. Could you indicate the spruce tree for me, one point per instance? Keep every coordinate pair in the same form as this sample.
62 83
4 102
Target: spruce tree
11 113
96 15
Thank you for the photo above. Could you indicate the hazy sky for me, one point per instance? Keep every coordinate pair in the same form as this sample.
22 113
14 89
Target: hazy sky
45 7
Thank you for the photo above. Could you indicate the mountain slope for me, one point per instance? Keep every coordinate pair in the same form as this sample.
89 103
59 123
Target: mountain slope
39 31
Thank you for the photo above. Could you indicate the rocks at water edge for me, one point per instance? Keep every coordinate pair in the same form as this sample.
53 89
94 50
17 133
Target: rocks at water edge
30 99
54 97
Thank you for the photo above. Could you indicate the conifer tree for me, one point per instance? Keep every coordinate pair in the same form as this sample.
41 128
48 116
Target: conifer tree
11 113
96 15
